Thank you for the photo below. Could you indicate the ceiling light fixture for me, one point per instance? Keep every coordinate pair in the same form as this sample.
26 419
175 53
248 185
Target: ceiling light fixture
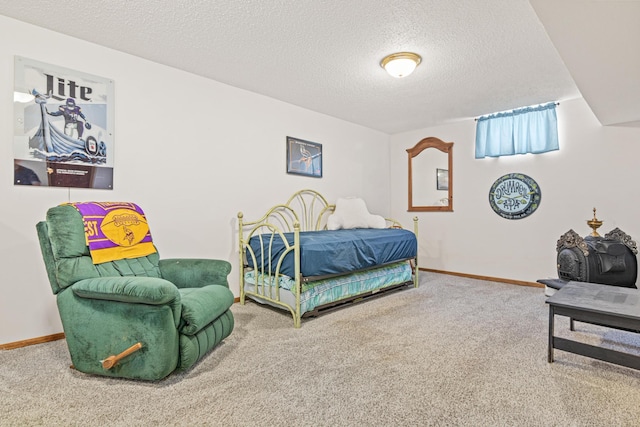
400 64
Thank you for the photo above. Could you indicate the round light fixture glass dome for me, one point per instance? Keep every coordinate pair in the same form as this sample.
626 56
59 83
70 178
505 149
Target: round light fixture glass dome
400 64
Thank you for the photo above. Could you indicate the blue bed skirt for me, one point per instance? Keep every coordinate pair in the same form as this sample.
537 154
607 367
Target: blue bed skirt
332 252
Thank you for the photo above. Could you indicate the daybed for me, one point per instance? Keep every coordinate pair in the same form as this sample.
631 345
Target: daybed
291 260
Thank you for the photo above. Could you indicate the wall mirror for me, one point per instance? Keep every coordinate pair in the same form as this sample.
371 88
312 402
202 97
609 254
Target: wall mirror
431 176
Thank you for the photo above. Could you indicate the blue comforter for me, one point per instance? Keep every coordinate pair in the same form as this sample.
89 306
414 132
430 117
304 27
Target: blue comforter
330 252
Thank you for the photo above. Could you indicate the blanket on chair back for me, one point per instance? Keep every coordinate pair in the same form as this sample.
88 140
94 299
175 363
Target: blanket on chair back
115 230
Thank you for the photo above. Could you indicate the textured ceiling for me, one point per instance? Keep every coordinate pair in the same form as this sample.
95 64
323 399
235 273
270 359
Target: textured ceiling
598 42
479 57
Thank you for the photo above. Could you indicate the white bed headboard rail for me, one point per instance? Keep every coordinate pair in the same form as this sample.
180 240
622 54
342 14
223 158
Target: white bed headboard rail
308 208
312 209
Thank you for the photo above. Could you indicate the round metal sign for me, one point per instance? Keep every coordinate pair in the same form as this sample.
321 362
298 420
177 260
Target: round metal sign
514 196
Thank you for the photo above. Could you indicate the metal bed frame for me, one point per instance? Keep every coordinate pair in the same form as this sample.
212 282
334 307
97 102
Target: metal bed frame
306 210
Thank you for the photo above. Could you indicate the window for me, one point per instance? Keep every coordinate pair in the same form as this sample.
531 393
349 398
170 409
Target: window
525 130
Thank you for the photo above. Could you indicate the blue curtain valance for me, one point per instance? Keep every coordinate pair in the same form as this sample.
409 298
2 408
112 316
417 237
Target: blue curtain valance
525 130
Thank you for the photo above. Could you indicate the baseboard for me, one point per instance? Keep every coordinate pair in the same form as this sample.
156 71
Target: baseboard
32 341
60 336
48 338
486 278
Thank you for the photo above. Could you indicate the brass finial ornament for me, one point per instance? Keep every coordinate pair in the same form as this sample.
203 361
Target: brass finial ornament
594 224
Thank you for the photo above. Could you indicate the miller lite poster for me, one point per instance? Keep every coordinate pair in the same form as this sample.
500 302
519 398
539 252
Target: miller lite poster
63 127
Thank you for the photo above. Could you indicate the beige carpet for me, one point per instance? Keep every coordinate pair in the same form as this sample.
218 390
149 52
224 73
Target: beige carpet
453 352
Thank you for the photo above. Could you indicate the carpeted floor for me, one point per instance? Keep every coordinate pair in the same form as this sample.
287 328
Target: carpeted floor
453 352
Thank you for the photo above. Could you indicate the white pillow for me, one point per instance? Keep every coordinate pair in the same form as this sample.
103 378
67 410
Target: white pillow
353 213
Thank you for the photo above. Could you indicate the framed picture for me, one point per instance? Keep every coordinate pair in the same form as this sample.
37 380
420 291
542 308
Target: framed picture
64 126
304 157
442 179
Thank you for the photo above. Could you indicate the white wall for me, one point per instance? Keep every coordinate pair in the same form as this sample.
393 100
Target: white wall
190 151
185 143
596 166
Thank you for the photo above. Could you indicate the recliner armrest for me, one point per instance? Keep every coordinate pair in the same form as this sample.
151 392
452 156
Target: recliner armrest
195 273
201 306
142 290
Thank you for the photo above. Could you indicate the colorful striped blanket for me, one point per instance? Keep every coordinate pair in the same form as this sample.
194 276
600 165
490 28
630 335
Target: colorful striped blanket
115 230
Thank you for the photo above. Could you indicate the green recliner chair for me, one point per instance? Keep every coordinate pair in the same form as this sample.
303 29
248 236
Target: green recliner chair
139 318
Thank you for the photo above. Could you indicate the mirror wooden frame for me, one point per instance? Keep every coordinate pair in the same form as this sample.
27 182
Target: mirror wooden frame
445 147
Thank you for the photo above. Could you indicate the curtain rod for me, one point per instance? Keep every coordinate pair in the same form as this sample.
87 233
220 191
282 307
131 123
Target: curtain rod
476 119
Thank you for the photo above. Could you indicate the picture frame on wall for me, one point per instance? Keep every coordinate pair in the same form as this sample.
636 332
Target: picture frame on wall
442 179
304 157
64 126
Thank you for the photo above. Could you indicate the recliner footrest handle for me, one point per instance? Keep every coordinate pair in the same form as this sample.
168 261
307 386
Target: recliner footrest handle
111 361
